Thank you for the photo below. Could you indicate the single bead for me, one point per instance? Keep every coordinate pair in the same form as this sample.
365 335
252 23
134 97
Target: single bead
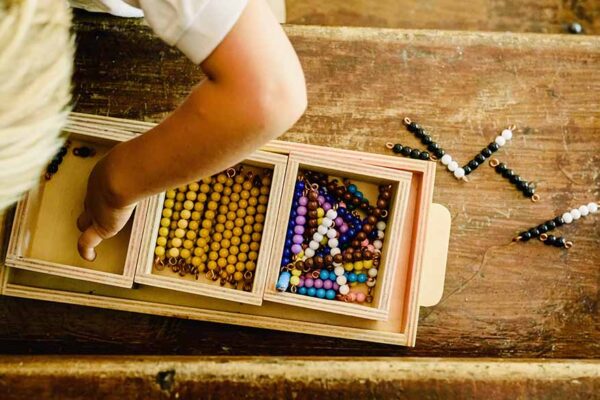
473 165
500 168
507 173
330 294
479 158
426 139
584 211
543 228
507 134
467 169
592 207
413 127
567 218
500 141
534 232
439 153
575 214
406 151
302 290
344 289
452 166
433 147
493 147
559 221
311 292
360 297
397 148
514 179
550 224
320 293
459 173
525 236
424 155
560 242
415 153
486 152
550 240
446 159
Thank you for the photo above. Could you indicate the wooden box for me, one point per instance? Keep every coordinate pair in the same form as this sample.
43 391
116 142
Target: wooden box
369 177
44 235
148 274
419 273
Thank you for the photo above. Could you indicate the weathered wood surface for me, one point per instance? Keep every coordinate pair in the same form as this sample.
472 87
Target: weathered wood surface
500 299
542 16
151 378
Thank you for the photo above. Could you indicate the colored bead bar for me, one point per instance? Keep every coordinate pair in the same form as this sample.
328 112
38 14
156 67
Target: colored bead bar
528 188
214 227
338 254
487 151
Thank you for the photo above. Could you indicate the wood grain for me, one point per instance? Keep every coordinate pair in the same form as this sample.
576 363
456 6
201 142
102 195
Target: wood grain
151 378
501 299
542 16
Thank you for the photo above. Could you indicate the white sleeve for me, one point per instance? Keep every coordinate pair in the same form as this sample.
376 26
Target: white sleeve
196 27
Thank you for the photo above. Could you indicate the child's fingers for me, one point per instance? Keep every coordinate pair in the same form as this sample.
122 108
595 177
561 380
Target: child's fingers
84 221
87 243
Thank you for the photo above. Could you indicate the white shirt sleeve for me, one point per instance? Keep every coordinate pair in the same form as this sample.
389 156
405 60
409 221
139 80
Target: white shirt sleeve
196 27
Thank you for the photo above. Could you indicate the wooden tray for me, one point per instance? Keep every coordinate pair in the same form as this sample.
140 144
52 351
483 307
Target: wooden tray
422 249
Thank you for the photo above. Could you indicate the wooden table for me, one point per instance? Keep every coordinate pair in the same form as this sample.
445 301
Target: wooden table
544 16
501 299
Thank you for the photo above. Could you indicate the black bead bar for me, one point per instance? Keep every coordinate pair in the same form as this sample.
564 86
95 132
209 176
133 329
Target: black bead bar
551 240
539 230
420 134
408 152
527 188
481 157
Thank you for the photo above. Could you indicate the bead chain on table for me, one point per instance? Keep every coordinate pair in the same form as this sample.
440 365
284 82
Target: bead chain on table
441 155
328 249
566 218
527 188
215 225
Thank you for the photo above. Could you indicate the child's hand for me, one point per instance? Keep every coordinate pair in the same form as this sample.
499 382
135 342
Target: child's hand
103 217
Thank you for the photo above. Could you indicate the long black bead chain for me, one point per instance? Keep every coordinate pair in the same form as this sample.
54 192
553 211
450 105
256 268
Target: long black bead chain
527 188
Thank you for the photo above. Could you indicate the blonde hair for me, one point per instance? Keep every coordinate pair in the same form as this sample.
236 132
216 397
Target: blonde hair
36 63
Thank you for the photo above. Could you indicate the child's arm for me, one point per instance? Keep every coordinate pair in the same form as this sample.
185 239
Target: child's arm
254 92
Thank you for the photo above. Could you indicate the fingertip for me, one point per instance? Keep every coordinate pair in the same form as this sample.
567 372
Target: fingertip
87 243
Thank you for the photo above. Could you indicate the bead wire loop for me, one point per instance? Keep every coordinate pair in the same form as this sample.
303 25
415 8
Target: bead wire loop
389 145
512 127
406 121
568 244
543 237
172 261
384 213
517 238
535 198
494 162
231 172
315 274
293 289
